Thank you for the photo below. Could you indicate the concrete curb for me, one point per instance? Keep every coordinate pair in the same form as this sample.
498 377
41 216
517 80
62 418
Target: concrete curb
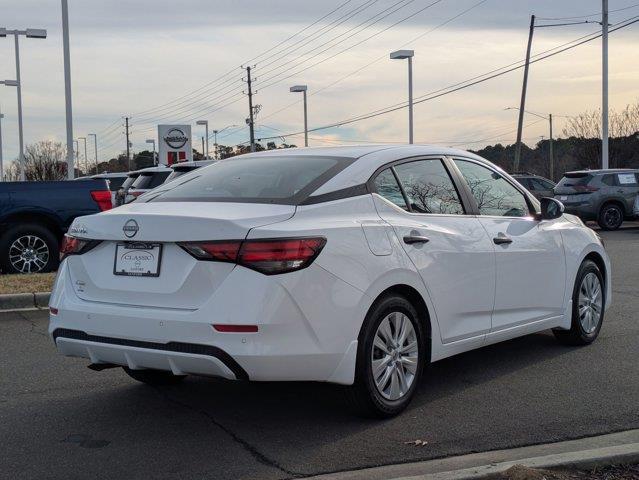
586 453
24 301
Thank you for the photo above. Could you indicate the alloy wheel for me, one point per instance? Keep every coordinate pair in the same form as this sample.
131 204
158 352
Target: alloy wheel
612 217
28 254
395 356
590 302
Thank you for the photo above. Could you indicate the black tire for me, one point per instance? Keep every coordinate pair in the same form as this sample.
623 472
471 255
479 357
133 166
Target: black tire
577 335
610 217
364 396
13 239
154 377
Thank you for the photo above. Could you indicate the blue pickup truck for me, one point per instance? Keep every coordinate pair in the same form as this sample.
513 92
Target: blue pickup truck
34 216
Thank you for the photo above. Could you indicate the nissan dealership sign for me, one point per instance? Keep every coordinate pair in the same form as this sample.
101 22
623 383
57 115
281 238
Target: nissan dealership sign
174 144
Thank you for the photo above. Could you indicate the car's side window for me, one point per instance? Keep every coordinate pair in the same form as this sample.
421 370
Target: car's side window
386 185
526 183
429 187
609 180
493 193
538 184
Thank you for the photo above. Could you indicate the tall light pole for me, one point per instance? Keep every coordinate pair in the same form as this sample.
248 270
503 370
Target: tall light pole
303 89
95 149
401 55
152 140
29 33
1 170
551 159
215 132
86 164
67 88
8 83
604 74
206 126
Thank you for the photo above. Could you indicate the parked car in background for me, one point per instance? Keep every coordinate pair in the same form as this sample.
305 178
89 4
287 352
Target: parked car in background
148 179
540 187
635 209
114 180
34 216
351 265
606 196
180 169
120 195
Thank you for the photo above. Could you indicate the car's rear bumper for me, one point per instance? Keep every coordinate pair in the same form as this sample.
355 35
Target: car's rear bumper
300 336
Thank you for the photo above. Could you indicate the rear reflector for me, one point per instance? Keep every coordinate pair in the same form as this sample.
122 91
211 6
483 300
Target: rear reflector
53 311
235 328
102 198
269 256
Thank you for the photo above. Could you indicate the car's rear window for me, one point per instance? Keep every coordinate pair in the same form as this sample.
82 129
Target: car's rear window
149 180
115 183
575 180
129 181
261 179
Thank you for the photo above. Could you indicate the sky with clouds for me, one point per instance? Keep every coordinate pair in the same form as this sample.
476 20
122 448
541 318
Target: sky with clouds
165 61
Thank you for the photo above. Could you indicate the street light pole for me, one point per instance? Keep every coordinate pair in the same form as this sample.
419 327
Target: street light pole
206 127
86 162
152 140
95 148
303 89
29 33
604 74
215 144
67 89
401 55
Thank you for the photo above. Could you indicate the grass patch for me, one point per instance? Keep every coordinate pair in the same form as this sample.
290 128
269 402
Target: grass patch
26 283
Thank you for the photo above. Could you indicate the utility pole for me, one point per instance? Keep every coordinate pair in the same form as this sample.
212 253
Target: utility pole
250 98
522 105
552 158
203 154
67 88
128 144
604 74
215 144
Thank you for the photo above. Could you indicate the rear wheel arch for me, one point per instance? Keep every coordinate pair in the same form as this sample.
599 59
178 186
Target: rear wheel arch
613 201
601 264
417 301
41 219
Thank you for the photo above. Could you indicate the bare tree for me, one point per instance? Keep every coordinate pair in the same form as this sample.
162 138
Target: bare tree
44 160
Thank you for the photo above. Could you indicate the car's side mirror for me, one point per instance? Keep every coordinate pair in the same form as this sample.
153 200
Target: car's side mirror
551 208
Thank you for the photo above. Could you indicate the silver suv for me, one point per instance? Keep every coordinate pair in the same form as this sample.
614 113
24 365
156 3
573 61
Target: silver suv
606 196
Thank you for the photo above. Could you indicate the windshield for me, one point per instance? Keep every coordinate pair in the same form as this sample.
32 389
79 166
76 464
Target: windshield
262 179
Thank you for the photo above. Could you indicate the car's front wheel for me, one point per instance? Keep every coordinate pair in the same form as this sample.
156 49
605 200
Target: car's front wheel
390 359
610 217
588 305
154 377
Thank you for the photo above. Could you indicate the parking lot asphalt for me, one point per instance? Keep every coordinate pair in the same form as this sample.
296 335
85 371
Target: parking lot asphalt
60 420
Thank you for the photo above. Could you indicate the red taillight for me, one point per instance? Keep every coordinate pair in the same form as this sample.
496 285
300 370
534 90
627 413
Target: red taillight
235 328
103 199
74 246
269 256
279 256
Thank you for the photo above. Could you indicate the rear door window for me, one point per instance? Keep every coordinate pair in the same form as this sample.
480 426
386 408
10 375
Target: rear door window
429 187
609 180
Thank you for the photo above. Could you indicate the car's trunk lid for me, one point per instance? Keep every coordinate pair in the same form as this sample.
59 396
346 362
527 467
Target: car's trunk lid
181 282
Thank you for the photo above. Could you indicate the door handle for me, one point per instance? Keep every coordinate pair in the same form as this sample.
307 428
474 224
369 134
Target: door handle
410 239
502 240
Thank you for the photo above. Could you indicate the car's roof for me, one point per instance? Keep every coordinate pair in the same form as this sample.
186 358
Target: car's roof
194 164
601 171
159 168
368 158
110 175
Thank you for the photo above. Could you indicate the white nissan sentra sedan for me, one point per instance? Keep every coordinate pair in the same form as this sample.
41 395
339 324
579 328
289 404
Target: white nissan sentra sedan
351 265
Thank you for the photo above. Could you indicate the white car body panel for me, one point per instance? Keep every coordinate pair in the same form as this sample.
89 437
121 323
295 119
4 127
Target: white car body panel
474 292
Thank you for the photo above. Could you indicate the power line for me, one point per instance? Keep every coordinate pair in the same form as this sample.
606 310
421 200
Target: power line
597 14
467 84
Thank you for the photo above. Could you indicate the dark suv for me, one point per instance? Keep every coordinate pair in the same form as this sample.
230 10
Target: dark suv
540 187
606 196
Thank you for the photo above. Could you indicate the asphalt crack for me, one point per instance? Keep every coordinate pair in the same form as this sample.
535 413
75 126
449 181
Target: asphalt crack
34 327
253 451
